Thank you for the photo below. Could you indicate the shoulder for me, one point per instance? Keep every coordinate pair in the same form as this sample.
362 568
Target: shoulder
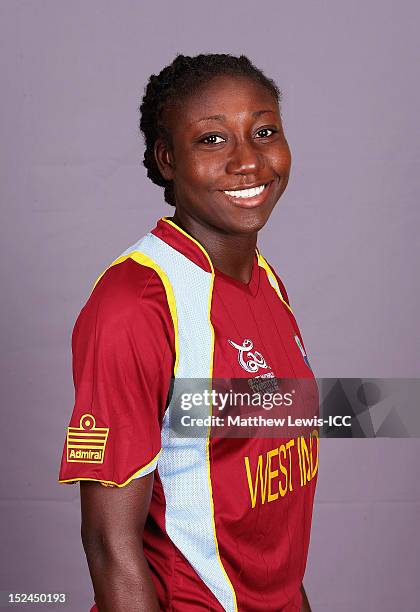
127 295
271 272
127 282
282 287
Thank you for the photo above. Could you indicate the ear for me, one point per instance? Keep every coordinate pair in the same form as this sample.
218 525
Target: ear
164 159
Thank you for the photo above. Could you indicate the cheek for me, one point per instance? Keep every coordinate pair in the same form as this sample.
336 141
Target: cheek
201 171
284 159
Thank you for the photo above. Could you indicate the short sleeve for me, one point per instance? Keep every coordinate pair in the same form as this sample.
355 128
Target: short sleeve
123 358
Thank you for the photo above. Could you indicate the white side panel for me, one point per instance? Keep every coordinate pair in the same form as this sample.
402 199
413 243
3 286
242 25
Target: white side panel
182 464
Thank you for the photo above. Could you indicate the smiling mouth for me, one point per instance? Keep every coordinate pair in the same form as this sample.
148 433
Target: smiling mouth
253 196
246 193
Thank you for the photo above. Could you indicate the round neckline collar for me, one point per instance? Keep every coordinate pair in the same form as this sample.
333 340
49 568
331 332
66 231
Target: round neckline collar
192 249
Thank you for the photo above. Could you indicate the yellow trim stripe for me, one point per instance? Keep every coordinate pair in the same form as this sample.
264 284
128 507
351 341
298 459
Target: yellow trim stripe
202 249
208 445
263 263
114 263
110 482
144 260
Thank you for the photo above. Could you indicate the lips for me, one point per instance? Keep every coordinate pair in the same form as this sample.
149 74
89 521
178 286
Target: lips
245 193
248 197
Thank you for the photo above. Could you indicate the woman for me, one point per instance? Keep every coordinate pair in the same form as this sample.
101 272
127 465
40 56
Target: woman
210 523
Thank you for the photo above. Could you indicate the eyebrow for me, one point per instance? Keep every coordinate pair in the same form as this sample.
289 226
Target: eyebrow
223 117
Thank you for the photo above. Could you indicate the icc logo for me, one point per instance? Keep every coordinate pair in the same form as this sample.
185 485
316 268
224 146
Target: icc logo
253 361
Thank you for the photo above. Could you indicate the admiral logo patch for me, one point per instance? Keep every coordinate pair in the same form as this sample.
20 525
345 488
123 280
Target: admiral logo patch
86 444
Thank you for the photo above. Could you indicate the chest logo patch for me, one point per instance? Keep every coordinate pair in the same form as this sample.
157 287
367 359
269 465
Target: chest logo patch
249 360
86 444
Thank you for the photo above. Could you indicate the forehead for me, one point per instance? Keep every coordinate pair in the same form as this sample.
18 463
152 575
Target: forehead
234 97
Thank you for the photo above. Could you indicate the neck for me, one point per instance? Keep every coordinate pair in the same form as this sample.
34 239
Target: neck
232 254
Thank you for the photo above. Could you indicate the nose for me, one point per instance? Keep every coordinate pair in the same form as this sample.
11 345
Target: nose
244 159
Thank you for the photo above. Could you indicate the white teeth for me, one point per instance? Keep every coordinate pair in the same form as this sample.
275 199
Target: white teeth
246 193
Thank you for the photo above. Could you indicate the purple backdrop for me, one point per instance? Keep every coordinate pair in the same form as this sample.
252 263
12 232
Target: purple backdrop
344 238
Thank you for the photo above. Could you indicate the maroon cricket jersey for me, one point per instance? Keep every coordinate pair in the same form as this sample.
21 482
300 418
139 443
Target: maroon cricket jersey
229 521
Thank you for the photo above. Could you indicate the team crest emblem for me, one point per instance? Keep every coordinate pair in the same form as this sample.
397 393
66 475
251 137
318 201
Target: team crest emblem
249 360
302 350
86 444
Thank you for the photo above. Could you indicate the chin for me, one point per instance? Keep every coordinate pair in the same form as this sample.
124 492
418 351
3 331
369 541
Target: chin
249 221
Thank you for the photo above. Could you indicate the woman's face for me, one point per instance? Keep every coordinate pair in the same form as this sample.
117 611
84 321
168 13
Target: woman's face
229 159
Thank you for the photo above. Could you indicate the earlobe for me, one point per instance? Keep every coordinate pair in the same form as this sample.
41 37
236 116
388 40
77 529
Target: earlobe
164 160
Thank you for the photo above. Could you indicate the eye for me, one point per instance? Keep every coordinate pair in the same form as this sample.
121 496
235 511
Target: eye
266 132
212 139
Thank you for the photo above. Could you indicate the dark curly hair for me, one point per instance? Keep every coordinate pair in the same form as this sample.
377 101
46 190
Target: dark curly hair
174 83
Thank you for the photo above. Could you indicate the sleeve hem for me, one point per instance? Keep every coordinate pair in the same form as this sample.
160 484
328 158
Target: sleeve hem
146 469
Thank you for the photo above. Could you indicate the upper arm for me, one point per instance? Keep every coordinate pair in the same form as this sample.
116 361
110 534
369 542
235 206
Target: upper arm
114 513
